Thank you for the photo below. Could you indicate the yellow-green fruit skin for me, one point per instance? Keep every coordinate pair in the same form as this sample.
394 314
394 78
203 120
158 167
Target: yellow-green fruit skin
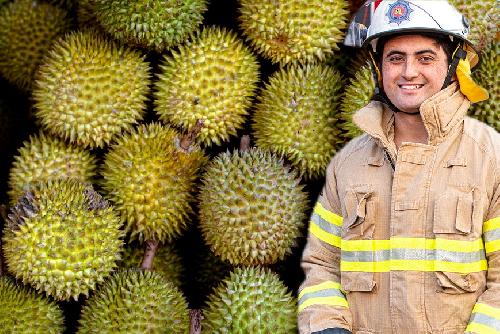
483 17
90 89
251 300
135 302
153 24
251 207
287 31
357 95
487 75
22 311
28 28
62 238
167 262
44 157
150 179
211 78
296 115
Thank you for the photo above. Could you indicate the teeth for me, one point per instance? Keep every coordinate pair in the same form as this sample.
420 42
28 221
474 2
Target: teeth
410 86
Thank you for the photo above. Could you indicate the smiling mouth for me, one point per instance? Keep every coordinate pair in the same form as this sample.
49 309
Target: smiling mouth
410 87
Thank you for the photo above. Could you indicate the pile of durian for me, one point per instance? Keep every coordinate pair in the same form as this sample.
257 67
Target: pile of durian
160 158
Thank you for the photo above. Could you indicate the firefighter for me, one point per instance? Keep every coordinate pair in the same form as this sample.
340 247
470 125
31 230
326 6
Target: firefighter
405 235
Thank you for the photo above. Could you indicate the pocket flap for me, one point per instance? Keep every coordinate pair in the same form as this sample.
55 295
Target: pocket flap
453 213
356 281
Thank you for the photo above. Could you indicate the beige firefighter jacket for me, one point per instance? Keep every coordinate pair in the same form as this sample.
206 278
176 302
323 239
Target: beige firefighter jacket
414 248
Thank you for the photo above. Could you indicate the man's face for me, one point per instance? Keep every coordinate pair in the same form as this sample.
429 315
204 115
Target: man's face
413 69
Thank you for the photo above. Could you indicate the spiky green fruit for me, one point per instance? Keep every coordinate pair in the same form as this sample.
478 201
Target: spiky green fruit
294 30
28 28
483 16
212 78
252 300
357 95
22 311
296 116
135 302
153 24
89 89
62 238
44 157
166 262
251 207
487 75
150 178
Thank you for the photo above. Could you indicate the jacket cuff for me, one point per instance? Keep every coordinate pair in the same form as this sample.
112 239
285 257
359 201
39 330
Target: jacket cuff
333 331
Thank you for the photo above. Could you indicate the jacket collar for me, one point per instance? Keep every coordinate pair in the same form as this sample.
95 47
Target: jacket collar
440 114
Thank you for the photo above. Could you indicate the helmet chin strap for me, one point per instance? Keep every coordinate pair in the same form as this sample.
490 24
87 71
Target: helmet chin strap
458 54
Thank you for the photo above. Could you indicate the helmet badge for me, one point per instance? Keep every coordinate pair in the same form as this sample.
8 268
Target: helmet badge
399 12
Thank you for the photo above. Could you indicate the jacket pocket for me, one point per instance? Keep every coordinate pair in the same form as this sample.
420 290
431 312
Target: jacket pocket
359 224
455 219
453 214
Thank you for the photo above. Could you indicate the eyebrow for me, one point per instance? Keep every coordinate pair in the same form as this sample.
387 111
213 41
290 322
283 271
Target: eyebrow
396 52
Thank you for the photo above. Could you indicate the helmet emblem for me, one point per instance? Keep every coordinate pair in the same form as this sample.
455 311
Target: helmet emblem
399 12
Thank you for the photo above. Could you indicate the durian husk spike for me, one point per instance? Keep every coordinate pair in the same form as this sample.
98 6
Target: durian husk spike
195 318
244 143
149 254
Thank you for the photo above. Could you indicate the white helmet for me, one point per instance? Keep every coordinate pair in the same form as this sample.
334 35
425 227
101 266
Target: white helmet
406 16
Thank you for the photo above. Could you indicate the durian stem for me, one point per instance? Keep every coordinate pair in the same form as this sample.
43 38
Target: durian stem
244 143
3 214
195 317
149 254
188 139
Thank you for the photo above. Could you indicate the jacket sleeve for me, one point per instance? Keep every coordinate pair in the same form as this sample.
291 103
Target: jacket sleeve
485 316
322 304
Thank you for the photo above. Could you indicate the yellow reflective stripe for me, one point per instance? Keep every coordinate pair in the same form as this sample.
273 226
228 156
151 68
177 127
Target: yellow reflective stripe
492 246
491 224
327 215
413 243
414 265
324 236
474 327
332 301
318 287
488 310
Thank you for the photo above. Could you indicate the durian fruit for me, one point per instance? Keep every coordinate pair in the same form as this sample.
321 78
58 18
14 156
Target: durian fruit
166 262
357 95
251 207
135 302
212 78
28 28
90 89
44 157
153 24
296 116
252 300
22 311
150 178
486 75
483 16
62 238
293 30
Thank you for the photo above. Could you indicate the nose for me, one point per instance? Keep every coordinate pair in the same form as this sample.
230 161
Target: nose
410 70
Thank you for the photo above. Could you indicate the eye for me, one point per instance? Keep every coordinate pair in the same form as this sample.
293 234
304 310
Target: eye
395 59
426 59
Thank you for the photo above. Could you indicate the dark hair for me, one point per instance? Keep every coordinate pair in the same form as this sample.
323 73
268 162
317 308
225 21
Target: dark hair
443 40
